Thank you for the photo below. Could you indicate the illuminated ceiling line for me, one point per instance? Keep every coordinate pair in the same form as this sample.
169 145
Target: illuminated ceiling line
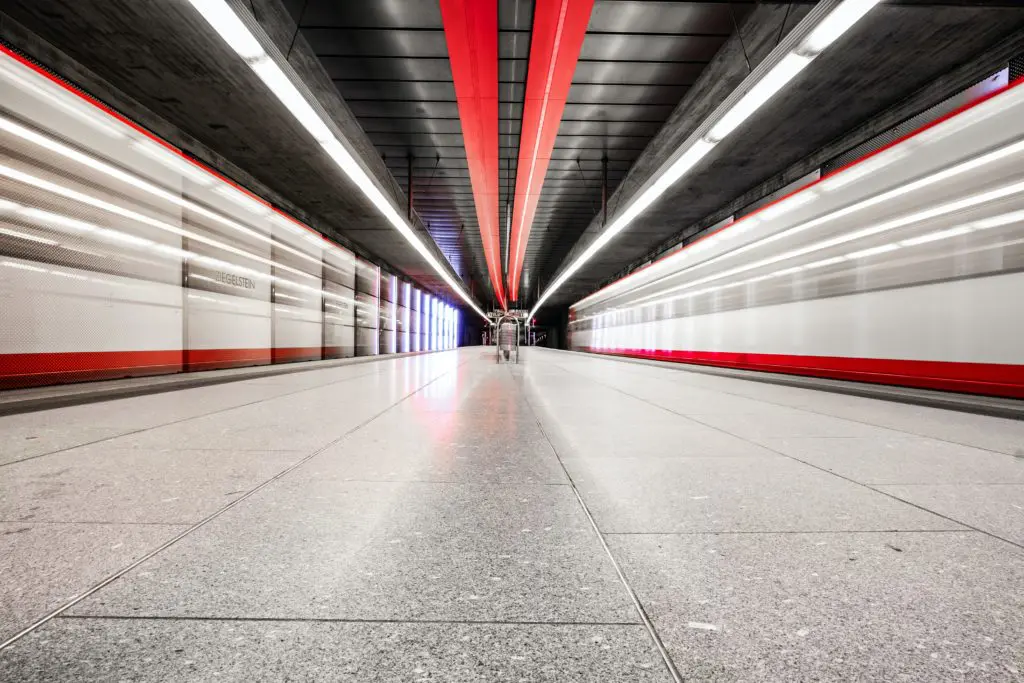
471 31
240 33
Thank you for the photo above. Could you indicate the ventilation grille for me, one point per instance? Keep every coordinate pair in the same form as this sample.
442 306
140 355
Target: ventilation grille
1016 68
933 113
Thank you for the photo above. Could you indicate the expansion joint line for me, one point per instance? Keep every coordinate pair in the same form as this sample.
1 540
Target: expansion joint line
646 620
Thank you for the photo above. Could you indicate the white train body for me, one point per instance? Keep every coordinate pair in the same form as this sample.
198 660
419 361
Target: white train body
119 256
905 268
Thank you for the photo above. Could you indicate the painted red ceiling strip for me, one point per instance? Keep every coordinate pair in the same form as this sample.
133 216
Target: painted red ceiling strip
471 31
559 27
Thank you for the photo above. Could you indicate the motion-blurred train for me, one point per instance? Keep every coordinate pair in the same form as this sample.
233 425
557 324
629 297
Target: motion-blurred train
121 256
903 268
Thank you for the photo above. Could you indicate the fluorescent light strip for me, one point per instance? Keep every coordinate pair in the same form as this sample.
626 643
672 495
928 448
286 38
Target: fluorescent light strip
226 23
766 88
230 27
837 22
945 174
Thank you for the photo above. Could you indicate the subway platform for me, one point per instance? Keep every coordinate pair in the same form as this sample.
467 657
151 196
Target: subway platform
572 518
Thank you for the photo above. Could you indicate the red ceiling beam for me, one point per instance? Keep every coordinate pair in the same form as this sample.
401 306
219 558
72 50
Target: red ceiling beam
471 31
558 30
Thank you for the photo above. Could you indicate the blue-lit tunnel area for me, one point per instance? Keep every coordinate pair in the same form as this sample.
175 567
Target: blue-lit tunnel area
123 257
512 341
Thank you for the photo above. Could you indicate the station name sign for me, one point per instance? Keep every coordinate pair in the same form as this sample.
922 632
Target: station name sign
234 280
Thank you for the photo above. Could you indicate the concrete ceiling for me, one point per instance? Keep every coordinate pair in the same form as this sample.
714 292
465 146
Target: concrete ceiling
649 72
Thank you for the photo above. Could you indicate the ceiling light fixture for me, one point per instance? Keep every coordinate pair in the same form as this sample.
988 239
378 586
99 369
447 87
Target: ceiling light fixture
237 35
838 22
774 81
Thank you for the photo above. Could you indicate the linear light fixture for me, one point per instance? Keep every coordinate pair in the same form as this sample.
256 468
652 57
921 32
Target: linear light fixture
835 23
766 88
222 19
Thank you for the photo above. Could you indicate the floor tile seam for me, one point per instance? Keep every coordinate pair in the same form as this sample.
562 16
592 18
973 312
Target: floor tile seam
852 420
831 473
111 578
634 598
330 620
133 432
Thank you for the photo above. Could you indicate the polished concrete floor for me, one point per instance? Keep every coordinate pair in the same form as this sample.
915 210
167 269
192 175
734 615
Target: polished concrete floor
572 518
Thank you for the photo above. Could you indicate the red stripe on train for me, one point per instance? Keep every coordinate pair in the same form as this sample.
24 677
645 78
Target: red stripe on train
991 379
19 370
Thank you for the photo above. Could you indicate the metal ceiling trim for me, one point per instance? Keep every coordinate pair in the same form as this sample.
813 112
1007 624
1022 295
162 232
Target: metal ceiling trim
471 31
558 32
